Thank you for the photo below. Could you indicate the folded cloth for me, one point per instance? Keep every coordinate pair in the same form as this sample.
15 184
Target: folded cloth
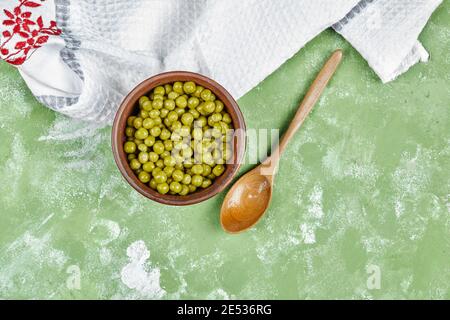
97 51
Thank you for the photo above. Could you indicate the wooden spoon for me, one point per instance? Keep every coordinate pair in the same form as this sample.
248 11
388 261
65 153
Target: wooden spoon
249 198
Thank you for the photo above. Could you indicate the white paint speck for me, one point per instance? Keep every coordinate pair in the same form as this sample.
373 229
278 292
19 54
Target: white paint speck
315 207
307 233
138 276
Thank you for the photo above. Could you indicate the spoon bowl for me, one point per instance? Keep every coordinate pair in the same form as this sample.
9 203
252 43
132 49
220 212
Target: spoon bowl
249 198
246 202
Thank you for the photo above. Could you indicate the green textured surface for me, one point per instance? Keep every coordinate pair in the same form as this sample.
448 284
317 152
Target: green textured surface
365 182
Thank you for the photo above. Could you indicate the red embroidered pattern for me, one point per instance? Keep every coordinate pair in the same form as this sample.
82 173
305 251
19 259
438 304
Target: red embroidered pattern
23 34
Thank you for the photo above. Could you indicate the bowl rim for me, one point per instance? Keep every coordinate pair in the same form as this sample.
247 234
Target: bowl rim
128 106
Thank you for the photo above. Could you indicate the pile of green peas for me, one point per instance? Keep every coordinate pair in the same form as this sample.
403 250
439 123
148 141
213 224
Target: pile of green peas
180 139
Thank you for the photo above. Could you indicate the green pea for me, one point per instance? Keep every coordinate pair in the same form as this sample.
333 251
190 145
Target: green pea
195 113
206 170
153 156
129 132
131 156
173 95
175 187
137 123
165 134
147 105
144 177
169 161
148 166
198 91
143 157
152 184
168 88
158 147
157 104
142 147
156 171
149 141
178 87
206 94
164 112
159 90
209 107
135 164
176 125
226 118
180 111
197 169
167 122
168 145
160 163
141 133
158 121
172 116
224 127
169 104
162 188
219 106
201 122
186 179
189 87
193 102
130 121
142 100
158 97
179 164
160 177
206 183
169 171
188 164
154 114
148 123
216 117
129 147
200 109
218 170
164 154
155 131
187 119
143 114
184 190
197 180
181 102
177 175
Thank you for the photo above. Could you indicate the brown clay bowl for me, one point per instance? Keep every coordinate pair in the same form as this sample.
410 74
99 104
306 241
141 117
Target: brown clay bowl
129 106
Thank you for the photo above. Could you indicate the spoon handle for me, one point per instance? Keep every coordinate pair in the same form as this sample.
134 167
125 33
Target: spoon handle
310 99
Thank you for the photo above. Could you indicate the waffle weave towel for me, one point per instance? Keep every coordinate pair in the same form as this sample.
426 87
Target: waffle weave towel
97 51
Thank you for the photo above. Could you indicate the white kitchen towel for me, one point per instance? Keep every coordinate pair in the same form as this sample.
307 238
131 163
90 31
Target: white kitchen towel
106 47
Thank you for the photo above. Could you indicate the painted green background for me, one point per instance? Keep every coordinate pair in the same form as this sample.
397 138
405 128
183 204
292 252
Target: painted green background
365 183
